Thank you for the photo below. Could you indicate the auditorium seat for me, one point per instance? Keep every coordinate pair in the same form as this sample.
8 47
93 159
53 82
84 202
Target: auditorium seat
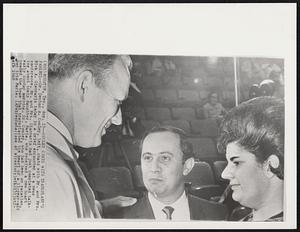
188 95
187 113
158 113
138 112
201 174
203 94
166 95
151 81
112 181
229 95
200 182
138 178
173 80
203 147
149 124
218 167
180 123
205 127
200 113
147 94
132 151
190 81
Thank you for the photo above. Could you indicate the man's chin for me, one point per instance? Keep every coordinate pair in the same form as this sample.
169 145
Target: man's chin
86 144
103 132
97 143
155 191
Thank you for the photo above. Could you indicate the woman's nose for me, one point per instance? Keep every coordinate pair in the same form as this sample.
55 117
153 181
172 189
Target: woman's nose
226 174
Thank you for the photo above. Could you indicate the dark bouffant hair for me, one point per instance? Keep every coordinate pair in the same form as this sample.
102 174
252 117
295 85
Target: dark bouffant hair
257 125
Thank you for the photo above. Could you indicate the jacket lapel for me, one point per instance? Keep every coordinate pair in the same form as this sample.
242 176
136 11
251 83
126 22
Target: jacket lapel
196 211
144 209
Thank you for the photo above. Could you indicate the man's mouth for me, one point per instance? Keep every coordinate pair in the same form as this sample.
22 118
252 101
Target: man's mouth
107 125
155 180
234 186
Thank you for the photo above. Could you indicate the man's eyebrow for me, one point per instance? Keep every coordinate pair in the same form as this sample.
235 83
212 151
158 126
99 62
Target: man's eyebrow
233 158
146 153
166 152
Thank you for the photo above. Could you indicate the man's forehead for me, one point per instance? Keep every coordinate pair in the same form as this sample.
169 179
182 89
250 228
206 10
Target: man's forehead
119 80
127 61
160 140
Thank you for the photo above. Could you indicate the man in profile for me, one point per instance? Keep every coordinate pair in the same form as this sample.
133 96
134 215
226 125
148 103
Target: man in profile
166 158
84 96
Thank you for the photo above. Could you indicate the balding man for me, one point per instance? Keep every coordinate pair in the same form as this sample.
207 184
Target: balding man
84 96
166 157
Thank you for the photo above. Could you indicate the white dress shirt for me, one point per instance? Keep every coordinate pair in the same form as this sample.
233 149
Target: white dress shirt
181 208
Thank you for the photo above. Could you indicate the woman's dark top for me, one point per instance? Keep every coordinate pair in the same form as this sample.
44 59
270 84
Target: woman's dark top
277 217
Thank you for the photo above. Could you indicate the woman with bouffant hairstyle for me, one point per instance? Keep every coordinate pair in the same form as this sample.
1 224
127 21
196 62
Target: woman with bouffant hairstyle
252 135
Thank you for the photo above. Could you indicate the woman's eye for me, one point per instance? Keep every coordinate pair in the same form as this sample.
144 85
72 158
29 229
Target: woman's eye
236 163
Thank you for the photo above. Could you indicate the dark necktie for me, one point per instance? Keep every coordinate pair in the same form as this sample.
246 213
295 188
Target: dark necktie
168 210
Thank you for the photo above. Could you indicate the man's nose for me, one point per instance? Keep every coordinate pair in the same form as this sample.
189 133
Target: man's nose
117 118
155 167
227 173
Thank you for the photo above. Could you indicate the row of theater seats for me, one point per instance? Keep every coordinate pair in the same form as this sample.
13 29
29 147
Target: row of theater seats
203 128
181 95
129 149
167 113
204 180
182 81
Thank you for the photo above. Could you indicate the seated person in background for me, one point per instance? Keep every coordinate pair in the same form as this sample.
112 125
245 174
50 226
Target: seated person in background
165 159
267 87
254 91
253 136
213 109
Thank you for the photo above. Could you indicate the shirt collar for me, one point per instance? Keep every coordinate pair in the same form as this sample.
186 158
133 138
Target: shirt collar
158 206
55 133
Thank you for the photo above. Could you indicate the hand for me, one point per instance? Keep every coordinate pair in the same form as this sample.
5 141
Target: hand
117 202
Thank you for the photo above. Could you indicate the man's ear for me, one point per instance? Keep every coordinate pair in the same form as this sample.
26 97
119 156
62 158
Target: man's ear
188 166
272 161
84 82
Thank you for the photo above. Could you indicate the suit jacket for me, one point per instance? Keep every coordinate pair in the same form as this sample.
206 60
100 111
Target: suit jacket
200 209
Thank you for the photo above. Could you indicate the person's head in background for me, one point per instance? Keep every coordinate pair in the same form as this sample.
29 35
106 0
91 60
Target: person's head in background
213 98
267 87
85 92
166 157
254 91
252 134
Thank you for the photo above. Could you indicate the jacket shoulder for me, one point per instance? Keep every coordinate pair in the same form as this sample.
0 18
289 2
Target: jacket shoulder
211 210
